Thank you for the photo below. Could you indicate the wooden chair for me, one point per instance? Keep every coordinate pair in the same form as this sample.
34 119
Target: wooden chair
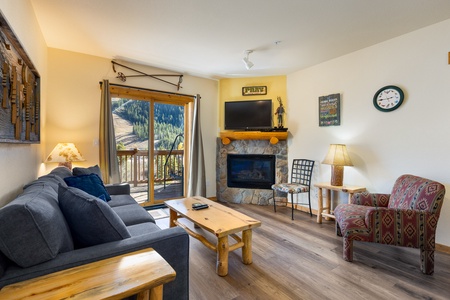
301 174
407 217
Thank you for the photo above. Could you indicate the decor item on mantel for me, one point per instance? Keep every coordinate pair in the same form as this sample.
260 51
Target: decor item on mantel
20 91
65 154
337 157
280 112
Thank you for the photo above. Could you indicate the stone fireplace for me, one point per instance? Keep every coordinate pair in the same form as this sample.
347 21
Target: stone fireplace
263 151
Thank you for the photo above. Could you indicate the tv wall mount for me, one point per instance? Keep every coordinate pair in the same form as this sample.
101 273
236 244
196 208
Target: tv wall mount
123 77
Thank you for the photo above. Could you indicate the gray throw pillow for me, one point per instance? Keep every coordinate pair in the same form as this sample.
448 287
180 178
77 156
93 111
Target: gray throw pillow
91 220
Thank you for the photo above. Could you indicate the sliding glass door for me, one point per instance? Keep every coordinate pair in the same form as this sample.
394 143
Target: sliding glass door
150 147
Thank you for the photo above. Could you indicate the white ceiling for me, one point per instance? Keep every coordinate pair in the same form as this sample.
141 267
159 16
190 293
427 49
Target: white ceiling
208 37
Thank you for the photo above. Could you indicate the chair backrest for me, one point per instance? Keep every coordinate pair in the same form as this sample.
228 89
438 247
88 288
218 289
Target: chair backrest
412 192
302 171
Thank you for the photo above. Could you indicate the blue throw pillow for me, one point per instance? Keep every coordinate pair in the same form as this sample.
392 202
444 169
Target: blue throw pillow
91 184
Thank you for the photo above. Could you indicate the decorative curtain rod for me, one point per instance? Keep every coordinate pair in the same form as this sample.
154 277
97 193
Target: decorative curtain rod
123 77
146 89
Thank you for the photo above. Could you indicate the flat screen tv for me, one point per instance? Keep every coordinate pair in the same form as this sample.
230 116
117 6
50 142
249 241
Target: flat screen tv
248 115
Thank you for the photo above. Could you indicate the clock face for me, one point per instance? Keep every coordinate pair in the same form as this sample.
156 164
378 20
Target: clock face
388 98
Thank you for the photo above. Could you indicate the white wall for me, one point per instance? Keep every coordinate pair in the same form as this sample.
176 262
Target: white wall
74 103
412 139
20 163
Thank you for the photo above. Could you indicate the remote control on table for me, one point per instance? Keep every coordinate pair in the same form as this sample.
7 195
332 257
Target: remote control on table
197 206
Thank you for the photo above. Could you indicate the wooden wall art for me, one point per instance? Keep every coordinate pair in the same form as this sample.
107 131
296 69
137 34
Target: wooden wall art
19 91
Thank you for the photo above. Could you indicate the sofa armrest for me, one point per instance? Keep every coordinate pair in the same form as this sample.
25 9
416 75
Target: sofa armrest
370 199
118 188
172 244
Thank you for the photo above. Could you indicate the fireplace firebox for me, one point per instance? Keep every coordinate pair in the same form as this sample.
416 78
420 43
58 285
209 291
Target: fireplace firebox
254 171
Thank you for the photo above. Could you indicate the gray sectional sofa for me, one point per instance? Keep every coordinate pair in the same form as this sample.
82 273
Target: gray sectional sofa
52 226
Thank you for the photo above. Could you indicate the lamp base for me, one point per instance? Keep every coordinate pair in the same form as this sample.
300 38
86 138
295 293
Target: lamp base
337 175
67 164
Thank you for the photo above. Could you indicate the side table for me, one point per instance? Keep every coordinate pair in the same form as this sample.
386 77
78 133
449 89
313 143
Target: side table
328 187
142 272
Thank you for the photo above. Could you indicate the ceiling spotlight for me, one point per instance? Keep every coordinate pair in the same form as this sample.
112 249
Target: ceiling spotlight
248 63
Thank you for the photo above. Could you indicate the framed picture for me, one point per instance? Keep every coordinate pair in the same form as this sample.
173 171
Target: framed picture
254 90
330 110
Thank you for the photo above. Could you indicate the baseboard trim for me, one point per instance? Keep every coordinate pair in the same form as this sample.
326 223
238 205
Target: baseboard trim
443 248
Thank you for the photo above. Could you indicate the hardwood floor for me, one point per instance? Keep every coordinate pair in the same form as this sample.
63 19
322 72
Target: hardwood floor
301 259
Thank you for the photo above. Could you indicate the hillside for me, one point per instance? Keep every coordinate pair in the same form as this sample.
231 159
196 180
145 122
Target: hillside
131 119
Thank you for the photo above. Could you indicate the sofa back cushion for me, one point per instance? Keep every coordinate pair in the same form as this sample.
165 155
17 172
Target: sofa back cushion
413 192
77 171
62 172
91 220
32 228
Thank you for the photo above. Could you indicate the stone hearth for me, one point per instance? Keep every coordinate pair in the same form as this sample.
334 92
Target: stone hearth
244 195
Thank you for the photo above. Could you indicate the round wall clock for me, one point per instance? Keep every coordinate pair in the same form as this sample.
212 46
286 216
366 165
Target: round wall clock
388 98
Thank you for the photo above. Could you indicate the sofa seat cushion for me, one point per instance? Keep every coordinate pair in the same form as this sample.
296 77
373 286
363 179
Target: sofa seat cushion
143 228
91 184
32 227
133 214
120 200
90 219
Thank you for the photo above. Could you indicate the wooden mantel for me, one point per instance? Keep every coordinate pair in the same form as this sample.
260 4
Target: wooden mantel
272 136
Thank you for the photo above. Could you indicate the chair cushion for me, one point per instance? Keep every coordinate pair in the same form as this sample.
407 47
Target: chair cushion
90 219
90 183
292 188
413 192
32 227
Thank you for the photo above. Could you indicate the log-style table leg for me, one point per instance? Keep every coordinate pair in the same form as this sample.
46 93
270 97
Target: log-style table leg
173 218
328 207
247 248
319 206
222 256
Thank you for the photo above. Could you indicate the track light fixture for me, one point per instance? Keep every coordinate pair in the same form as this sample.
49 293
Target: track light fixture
248 63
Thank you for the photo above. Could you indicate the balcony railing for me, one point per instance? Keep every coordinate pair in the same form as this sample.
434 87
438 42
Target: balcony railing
133 165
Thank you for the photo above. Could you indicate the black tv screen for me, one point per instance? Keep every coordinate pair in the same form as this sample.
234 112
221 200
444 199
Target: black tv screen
248 115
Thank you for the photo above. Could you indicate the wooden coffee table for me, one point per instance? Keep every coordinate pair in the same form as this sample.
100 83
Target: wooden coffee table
220 220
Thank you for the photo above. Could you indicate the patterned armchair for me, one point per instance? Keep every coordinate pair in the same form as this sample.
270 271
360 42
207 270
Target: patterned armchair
407 217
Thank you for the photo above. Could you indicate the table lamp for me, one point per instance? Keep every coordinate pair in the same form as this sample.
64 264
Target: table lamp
337 157
65 154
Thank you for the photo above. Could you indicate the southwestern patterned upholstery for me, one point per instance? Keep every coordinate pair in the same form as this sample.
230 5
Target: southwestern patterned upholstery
407 217
301 174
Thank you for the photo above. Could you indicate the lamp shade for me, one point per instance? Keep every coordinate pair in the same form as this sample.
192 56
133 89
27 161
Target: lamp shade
337 156
64 153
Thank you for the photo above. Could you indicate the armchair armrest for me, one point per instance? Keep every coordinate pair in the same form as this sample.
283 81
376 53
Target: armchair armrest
118 188
370 199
